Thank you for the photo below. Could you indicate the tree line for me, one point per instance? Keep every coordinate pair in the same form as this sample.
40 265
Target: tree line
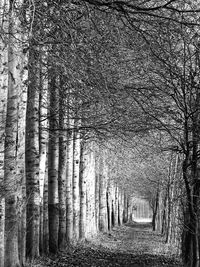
55 183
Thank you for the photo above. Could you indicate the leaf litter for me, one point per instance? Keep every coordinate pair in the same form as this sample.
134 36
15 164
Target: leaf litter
130 245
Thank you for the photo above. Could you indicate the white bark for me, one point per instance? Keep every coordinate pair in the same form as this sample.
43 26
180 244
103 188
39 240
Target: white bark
32 156
83 196
53 160
13 121
97 175
116 213
103 218
62 174
88 192
3 107
69 179
21 158
76 173
121 201
43 138
45 218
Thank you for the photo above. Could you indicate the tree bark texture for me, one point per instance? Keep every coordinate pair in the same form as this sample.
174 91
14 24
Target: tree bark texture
97 175
11 182
32 156
103 223
62 174
45 212
76 189
125 209
116 206
83 194
109 205
43 137
89 174
53 163
121 202
21 168
3 107
69 181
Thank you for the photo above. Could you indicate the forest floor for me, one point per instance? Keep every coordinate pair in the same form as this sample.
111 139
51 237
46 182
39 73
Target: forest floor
131 245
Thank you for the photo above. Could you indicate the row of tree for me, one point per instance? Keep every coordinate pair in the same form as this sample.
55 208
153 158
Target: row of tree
79 81
56 181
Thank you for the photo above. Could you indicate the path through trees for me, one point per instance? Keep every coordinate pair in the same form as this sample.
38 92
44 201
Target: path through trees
131 245
99 105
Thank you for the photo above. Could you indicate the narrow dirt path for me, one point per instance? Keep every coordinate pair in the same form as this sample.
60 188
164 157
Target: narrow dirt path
132 245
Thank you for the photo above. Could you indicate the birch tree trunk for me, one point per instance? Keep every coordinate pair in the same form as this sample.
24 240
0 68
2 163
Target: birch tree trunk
11 182
97 175
116 215
89 177
22 105
3 106
69 181
53 159
76 172
32 156
103 218
62 175
121 202
45 212
83 195
43 138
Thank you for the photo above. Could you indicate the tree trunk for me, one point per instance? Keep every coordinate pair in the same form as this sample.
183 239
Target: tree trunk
129 208
11 150
21 159
69 180
155 210
76 172
83 180
45 212
116 215
89 174
109 206
53 159
195 175
32 157
97 175
3 106
43 137
103 218
62 175
172 201
121 202
125 210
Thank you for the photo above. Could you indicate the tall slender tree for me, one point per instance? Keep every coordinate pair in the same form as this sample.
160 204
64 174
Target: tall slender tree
11 130
4 6
62 169
69 180
103 179
21 143
43 136
76 179
32 155
53 161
